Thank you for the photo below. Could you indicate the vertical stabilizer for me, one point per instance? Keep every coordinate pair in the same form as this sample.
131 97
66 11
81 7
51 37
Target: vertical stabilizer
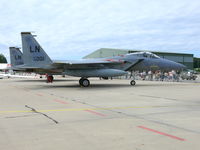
33 53
16 56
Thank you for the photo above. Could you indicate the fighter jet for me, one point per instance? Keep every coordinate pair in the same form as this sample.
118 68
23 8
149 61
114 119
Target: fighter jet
36 60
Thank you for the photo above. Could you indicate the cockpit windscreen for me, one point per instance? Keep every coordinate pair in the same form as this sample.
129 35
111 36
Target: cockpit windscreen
147 54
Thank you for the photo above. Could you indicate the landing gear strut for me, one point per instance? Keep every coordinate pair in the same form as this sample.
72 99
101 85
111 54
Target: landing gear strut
132 82
84 82
49 78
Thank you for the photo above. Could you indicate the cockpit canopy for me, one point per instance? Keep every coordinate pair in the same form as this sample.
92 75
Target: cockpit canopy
146 54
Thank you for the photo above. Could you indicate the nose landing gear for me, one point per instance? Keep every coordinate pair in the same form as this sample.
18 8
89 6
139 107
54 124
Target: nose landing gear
132 82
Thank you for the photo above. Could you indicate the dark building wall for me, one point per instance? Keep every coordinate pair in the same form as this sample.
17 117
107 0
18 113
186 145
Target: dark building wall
196 62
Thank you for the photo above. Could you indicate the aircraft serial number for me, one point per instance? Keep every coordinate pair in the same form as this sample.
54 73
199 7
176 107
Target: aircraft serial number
38 58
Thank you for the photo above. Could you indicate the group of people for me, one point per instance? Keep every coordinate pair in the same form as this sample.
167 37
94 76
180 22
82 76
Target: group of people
158 75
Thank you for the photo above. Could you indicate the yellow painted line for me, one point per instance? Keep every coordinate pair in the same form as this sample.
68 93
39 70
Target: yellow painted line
13 111
78 109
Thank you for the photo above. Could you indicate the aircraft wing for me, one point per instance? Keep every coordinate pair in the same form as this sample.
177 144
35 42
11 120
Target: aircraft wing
86 63
22 67
82 64
89 61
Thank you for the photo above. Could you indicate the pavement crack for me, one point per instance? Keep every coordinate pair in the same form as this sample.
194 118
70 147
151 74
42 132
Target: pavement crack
35 111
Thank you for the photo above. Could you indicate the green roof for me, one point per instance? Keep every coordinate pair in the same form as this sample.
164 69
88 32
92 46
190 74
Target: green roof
139 50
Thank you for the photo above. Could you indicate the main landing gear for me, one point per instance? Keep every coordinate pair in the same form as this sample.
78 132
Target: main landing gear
84 82
49 78
133 82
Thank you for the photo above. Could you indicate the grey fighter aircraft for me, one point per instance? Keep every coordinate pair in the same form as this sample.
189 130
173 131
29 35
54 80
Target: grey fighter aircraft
36 60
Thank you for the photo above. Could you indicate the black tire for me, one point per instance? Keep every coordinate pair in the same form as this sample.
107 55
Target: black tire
85 82
51 79
132 82
80 81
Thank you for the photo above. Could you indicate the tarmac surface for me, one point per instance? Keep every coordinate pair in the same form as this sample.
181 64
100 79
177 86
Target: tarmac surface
110 114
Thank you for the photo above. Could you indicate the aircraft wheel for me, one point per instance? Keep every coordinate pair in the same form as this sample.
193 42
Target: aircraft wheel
51 78
132 82
84 82
80 81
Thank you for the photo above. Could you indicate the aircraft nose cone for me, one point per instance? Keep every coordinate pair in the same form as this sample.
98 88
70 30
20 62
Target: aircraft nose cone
181 66
171 65
178 66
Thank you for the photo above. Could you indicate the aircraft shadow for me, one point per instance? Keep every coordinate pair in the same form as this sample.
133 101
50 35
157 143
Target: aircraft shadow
101 86
90 87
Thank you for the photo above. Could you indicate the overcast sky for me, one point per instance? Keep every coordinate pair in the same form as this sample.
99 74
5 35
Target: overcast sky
71 29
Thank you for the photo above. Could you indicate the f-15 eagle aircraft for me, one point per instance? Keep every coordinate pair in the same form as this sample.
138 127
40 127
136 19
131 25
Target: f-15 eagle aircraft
36 60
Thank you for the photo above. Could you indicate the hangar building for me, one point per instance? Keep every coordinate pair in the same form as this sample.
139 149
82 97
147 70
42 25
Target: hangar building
183 58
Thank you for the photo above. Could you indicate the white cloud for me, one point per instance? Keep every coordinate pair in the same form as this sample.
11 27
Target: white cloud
71 29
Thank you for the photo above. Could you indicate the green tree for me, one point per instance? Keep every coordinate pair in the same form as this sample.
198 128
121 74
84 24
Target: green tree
2 59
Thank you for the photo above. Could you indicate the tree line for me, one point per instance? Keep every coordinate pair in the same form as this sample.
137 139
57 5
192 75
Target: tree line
2 59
